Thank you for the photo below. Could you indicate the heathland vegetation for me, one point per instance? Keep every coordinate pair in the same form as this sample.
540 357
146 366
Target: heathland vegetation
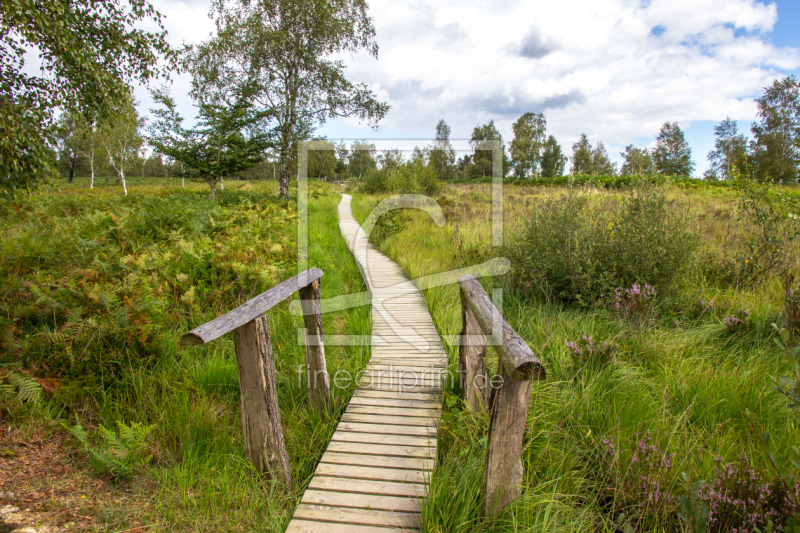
665 308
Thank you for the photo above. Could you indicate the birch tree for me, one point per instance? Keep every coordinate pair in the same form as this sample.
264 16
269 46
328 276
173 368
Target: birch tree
283 51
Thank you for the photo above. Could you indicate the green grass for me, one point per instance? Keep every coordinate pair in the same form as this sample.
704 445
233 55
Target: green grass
98 288
685 381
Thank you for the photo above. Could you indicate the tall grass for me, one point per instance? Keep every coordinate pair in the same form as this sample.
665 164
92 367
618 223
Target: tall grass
677 389
172 259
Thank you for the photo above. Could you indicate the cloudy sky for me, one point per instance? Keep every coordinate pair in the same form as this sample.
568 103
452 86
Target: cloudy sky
613 69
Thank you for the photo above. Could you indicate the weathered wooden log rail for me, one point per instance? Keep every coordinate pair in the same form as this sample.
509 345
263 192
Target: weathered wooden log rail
506 396
261 418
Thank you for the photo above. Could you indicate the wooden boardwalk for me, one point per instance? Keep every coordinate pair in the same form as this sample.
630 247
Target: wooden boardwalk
378 463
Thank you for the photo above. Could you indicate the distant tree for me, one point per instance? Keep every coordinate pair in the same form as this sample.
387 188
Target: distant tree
226 139
601 163
89 52
287 52
729 153
481 160
553 160
71 144
638 162
322 159
442 156
342 157
154 166
775 147
582 159
362 158
672 154
120 137
528 144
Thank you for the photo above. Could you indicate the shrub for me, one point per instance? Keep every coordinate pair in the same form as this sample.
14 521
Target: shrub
638 481
586 353
636 302
740 500
739 321
791 309
772 221
578 247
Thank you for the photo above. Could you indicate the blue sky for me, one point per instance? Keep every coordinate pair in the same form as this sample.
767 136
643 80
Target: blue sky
615 70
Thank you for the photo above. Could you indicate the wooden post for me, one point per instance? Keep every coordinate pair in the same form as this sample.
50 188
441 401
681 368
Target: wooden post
319 391
261 417
502 476
475 384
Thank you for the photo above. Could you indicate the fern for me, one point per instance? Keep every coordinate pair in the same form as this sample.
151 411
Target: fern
24 388
122 454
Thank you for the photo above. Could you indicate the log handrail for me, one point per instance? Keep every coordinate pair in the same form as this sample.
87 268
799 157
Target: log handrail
264 444
518 359
251 309
508 400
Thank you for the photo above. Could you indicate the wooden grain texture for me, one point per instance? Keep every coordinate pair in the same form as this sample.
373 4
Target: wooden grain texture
516 356
319 390
389 488
475 385
379 460
249 310
261 417
502 476
367 517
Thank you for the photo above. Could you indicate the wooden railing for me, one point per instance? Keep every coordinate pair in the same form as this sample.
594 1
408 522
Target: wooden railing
506 396
264 445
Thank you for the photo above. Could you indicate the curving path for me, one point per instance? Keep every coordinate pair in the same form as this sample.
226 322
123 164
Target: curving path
378 463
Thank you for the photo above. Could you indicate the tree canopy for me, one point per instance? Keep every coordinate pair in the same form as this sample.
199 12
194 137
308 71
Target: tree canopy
775 147
730 151
225 140
672 154
528 143
90 52
442 156
638 162
283 52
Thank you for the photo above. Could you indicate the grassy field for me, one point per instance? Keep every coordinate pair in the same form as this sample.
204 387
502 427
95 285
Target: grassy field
606 447
97 288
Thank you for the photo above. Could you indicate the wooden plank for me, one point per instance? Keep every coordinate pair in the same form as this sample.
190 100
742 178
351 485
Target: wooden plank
361 501
421 431
382 438
358 516
388 488
395 395
380 461
249 310
389 420
382 449
385 402
392 411
309 526
368 472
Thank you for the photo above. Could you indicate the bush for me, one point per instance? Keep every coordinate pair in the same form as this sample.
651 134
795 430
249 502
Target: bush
586 353
580 247
740 499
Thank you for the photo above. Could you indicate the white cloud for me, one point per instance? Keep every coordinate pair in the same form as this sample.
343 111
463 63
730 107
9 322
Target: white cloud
614 69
